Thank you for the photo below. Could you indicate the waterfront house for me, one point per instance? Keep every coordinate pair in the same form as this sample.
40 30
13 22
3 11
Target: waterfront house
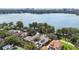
14 31
55 45
23 34
31 38
28 38
7 47
43 40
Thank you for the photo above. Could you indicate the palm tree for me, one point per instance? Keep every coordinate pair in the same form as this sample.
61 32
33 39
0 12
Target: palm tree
4 24
10 24
19 24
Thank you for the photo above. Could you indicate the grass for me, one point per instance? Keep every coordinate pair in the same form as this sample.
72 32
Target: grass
68 45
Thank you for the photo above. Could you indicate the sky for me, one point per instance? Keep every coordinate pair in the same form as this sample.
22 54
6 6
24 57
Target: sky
39 3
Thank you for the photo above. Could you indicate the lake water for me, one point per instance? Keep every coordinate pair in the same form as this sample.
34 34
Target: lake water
59 20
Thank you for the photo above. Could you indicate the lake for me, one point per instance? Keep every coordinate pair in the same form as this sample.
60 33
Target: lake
59 20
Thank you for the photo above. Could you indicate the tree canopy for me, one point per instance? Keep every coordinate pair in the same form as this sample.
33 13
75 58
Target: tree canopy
19 24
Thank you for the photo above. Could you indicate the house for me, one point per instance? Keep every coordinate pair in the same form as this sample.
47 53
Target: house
31 38
23 34
8 47
36 36
14 31
43 40
55 45
28 38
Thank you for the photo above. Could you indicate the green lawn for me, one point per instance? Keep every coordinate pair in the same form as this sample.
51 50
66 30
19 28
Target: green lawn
68 45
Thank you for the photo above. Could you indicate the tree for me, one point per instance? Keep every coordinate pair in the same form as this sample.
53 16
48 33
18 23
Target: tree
29 46
74 39
10 24
31 32
4 24
42 27
13 39
19 24
3 33
33 25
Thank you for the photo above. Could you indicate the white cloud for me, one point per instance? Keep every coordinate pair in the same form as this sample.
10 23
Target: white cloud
39 3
